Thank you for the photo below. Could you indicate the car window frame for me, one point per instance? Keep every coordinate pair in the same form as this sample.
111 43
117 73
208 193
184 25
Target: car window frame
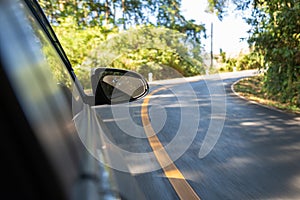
40 16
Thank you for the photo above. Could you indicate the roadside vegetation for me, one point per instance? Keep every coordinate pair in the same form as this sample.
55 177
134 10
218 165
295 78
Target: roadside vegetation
139 35
148 49
275 42
153 36
252 88
244 61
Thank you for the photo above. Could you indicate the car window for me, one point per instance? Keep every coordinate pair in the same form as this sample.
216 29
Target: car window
58 70
59 73
41 81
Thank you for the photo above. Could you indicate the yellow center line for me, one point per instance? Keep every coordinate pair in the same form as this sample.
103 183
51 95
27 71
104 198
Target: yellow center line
176 178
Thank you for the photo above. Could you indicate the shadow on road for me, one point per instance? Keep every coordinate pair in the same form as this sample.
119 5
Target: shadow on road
256 157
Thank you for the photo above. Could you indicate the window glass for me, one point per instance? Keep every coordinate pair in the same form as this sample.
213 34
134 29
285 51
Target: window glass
36 72
60 74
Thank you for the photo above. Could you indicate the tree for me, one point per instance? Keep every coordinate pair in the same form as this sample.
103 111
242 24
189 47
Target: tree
219 7
85 25
78 43
275 37
148 49
131 13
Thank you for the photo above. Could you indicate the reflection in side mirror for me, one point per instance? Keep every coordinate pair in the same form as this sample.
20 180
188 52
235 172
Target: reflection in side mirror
112 86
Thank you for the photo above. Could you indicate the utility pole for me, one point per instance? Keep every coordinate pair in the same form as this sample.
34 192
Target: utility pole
211 46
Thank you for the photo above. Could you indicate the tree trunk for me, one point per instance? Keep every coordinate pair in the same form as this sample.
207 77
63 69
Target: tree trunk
107 12
123 12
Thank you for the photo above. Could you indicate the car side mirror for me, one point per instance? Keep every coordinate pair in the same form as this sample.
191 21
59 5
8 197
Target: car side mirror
113 86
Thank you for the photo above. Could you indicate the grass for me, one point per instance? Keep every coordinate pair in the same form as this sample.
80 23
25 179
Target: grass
251 88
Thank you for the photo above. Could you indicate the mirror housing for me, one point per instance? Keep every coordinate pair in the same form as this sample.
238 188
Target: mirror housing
113 86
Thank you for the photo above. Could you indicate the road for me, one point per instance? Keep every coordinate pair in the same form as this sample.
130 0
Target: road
256 155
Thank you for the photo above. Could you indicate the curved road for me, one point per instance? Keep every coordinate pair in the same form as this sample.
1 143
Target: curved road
256 156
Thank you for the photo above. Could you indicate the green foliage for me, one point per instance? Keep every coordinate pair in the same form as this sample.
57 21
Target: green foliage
242 62
219 7
251 60
276 37
252 88
169 16
78 43
146 49
164 52
123 14
83 26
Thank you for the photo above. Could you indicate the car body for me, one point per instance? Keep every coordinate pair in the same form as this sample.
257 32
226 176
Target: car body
43 156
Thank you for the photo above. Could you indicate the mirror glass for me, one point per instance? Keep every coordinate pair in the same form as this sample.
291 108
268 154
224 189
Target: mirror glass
128 85
120 86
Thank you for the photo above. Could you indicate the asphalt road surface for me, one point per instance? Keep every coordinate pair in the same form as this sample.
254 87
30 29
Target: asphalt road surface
251 152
